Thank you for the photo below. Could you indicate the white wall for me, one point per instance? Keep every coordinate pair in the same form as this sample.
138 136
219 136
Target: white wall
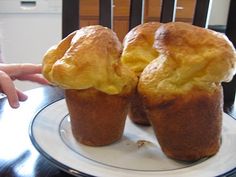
26 33
219 12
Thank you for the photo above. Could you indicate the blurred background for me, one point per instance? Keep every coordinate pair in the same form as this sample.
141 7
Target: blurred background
29 27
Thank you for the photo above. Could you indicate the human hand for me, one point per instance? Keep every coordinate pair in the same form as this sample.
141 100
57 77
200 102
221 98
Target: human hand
10 72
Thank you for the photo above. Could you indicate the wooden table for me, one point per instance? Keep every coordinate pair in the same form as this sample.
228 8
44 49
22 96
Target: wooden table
18 157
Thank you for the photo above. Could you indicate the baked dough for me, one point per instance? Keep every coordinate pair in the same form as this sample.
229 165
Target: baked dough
138 49
89 58
182 92
190 57
98 87
138 52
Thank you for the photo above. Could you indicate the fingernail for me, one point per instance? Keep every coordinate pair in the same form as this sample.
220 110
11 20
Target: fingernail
16 105
24 97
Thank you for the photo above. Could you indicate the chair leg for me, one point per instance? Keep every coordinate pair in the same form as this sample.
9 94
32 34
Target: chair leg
229 88
136 13
106 13
201 13
70 16
168 9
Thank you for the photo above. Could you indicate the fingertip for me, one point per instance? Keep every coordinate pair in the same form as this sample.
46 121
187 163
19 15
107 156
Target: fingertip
15 105
22 96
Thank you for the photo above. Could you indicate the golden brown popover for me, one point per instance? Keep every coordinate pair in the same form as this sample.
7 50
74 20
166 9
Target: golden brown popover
182 92
97 85
138 52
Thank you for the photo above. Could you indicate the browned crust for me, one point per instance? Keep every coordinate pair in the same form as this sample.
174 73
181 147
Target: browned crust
189 56
136 111
141 34
175 38
91 56
139 40
188 128
97 118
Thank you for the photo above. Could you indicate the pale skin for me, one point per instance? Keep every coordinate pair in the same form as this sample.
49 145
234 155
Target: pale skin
25 71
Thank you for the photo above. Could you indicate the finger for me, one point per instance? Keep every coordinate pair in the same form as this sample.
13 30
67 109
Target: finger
34 78
21 95
21 69
8 88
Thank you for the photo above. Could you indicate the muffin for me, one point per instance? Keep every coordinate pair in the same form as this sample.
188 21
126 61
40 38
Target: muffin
138 52
98 87
182 91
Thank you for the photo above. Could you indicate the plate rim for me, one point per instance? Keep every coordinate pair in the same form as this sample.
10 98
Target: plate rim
65 167
42 152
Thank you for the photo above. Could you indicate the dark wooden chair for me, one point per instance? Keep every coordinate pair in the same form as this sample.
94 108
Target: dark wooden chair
71 13
168 9
229 88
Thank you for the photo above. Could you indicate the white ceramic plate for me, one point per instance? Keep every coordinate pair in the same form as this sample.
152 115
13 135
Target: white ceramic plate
137 154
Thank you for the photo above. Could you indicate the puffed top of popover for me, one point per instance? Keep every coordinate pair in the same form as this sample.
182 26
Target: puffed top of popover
191 58
138 46
89 58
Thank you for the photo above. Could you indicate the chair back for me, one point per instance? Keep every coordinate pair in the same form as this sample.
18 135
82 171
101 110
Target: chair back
71 13
168 9
230 32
